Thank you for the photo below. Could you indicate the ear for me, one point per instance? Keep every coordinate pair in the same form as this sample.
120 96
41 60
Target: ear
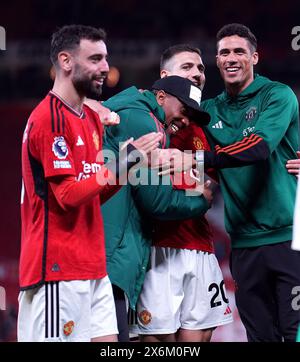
218 61
255 58
164 73
160 97
65 61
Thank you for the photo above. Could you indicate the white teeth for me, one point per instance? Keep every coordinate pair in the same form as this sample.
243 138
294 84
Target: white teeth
232 69
99 81
174 127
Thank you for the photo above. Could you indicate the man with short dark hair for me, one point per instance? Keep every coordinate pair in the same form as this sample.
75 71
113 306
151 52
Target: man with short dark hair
128 216
183 60
183 297
258 126
254 123
65 293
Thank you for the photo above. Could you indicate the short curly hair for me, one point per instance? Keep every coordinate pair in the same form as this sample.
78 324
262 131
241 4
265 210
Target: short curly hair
68 38
238 29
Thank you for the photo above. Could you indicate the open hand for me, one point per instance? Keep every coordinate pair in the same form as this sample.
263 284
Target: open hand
171 160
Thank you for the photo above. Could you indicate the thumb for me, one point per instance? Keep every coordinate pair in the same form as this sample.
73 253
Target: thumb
298 154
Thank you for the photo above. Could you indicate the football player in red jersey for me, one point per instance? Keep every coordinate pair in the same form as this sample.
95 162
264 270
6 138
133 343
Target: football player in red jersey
179 244
65 291
179 292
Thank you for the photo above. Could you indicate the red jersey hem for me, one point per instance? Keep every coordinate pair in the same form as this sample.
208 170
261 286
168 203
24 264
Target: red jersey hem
63 279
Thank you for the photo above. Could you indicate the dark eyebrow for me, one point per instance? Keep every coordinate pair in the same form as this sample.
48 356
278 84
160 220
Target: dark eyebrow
187 63
97 56
239 50
236 50
200 66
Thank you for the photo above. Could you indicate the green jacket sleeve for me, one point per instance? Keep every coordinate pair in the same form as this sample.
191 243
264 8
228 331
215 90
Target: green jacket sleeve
133 123
278 118
161 201
280 109
153 194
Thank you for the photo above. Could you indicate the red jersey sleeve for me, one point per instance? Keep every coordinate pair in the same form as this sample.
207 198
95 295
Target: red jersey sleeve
51 148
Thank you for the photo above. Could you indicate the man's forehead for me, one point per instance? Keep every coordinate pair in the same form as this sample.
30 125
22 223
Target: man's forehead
90 46
231 42
187 57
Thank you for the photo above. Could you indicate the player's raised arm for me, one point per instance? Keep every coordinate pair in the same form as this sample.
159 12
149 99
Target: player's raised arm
72 193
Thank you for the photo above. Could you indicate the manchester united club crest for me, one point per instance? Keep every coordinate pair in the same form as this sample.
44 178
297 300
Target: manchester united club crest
145 317
251 113
198 144
96 140
68 328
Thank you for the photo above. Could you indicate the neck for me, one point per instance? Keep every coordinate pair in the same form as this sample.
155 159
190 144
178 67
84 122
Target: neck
65 90
235 89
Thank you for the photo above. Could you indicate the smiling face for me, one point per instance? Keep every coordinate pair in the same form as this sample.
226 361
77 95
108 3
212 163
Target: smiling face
175 112
187 65
90 68
235 60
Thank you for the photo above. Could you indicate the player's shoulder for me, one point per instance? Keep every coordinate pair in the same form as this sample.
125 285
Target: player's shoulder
42 109
262 84
47 116
210 103
92 115
90 112
275 89
281 87
140 121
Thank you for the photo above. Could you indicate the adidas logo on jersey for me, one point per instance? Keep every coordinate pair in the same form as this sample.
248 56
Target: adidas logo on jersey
227 311
79 142
218 125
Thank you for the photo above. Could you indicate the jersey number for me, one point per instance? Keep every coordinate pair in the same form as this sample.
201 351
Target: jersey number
218 289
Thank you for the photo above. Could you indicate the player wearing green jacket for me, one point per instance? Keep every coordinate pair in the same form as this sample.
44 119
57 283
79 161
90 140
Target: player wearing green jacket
127 215
261 121
254 124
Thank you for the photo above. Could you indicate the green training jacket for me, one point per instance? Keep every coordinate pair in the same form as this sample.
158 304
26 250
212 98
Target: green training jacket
127 215
259 199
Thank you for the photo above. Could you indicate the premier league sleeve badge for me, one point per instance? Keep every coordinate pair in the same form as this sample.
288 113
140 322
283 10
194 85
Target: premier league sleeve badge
60 148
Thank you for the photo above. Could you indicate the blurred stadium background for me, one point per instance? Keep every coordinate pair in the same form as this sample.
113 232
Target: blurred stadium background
138 31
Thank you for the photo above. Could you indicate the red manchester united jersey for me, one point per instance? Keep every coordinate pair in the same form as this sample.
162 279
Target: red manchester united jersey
192 234
59 244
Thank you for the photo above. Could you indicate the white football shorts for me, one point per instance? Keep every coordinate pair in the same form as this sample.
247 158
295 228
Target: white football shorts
67 311
183 289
